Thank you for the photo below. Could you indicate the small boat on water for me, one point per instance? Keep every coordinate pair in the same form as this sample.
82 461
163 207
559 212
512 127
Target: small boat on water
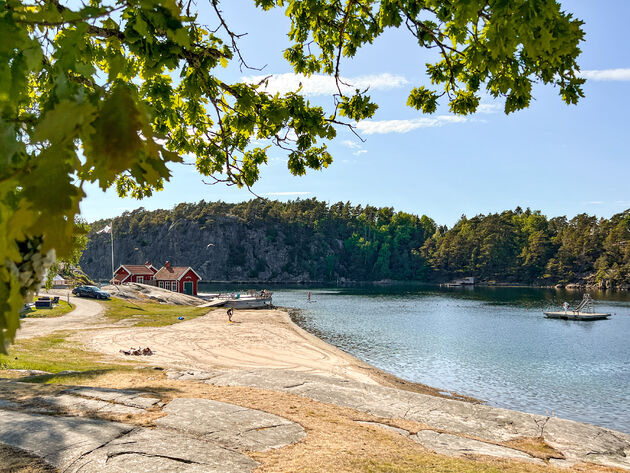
583 311
248 300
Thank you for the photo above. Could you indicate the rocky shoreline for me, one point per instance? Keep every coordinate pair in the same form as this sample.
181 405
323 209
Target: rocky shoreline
235 389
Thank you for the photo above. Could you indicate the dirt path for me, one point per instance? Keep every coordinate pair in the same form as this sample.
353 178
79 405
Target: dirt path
257 339
87 313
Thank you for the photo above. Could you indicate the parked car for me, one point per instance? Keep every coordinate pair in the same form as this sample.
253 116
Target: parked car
90 291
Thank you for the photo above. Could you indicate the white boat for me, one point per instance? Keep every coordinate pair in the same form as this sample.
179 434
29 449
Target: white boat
578 313
248 300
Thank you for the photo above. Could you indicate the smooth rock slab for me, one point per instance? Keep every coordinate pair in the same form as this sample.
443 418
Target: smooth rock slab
453 445
76 403
575 440
5 404
230 425
60 441
585 442
194 375
159 451
396 430
77 444
124 397
491 423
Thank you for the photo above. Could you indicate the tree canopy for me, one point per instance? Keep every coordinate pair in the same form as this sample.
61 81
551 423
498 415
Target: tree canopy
308 239
112 92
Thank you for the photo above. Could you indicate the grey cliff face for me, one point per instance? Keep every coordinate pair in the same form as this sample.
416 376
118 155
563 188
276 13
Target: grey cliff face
223 248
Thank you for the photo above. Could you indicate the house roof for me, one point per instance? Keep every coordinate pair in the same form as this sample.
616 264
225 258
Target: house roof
138 269
173 273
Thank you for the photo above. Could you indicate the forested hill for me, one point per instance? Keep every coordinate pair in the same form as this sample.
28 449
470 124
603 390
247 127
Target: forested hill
309 240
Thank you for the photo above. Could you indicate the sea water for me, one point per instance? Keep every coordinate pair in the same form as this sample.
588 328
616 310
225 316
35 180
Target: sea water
493 344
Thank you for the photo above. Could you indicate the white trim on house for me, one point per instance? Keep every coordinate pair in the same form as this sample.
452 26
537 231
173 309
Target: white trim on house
129 273
186 272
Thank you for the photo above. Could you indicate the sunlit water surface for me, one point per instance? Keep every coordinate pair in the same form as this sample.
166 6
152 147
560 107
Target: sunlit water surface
490 343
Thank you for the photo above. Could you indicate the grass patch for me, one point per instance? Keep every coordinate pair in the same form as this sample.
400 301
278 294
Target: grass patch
55 353
536 447
62 308
149 314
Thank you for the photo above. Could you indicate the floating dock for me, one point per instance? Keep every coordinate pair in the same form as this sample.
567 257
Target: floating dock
570 315
578 313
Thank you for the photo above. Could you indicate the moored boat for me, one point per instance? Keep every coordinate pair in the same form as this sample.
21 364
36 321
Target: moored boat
248 300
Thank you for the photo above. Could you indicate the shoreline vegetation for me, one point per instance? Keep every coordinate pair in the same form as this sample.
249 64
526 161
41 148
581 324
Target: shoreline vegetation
309 241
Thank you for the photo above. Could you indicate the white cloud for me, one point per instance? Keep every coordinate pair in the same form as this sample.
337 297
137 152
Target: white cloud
286 193
351 144
405 126
489 108
357 148
607 75
320 84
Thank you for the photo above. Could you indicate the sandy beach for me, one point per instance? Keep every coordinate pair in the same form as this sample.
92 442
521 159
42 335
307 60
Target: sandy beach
255 339
263 338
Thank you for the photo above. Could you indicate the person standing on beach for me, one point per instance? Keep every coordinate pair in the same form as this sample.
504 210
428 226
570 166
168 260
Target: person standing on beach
230 312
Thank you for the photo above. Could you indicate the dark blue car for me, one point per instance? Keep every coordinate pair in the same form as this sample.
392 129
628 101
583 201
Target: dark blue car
90 291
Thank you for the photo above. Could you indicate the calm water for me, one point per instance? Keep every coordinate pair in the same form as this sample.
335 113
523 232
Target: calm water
492 344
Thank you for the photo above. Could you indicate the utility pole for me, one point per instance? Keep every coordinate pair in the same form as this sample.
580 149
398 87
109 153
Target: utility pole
112 238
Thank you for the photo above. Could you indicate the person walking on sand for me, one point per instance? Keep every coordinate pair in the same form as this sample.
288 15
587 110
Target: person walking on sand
230 312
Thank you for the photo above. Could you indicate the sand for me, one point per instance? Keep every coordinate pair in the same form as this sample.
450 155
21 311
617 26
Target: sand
262 338
255 339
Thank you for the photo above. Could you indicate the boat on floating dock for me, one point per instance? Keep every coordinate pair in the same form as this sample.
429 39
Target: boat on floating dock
584 311
248 300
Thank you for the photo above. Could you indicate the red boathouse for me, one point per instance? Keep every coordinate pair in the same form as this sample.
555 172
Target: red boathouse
134 273
181 279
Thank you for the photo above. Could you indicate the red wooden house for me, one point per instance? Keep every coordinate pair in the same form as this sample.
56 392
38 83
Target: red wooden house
182 279
135 273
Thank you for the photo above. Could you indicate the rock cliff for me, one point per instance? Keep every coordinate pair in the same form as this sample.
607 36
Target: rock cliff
222 248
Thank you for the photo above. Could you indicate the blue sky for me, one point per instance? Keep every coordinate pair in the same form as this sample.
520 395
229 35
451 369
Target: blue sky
562 160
